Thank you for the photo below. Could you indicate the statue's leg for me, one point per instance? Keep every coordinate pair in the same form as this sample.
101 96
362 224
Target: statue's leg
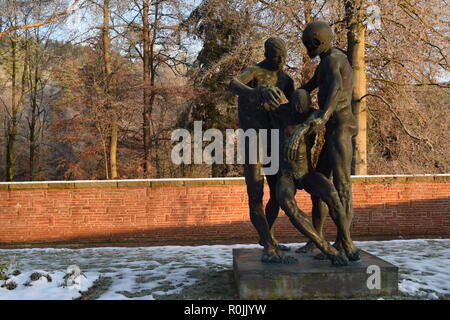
319 208
340 152
255 190
272 209
286 197
318 185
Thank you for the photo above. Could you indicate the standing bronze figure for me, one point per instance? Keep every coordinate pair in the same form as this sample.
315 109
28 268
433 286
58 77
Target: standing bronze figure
260 89
296 172
334 79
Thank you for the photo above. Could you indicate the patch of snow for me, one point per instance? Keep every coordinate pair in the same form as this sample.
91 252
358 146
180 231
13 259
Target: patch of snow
145 272
43 289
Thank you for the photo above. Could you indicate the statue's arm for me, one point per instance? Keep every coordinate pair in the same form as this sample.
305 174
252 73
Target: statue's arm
293 145
238 84
289 88
304 129
312 83
334 89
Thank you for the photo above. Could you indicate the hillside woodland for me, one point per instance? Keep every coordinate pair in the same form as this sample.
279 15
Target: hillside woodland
93 89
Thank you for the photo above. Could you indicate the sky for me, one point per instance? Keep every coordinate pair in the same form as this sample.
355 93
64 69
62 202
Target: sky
83 23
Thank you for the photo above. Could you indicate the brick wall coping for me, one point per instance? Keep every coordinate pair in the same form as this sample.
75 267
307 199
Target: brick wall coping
177 182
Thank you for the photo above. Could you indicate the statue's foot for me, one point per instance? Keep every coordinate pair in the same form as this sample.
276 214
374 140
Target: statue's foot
307 248
322 256
339 260
353 255
274 257
281 247
351 251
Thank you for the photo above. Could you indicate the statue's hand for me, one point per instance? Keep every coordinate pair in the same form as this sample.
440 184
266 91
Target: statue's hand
293 144
317 124
271 97
291 148
316 121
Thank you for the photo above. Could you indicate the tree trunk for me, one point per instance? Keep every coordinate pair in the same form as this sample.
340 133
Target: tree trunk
146 90
12 123
149 81
354 10
108 74
16 102
32 123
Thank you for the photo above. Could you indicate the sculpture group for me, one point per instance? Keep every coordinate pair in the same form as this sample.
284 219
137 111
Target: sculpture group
261 89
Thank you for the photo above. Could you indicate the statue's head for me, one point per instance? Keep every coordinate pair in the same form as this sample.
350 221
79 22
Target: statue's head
317 38
301 100
275 53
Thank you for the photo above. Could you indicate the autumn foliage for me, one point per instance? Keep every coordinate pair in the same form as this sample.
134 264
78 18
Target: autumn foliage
59 103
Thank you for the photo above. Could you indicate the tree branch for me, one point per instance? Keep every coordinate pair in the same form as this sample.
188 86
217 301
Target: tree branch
53 18
441 85
398 119
377 49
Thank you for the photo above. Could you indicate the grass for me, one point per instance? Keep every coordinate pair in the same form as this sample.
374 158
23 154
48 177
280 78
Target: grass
100 286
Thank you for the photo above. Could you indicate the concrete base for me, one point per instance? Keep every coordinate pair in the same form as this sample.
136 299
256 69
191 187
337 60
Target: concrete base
311 278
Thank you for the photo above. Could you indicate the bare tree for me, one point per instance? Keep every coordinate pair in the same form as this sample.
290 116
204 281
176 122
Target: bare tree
36 113
356 39
148 47
106 42
16 70
56 16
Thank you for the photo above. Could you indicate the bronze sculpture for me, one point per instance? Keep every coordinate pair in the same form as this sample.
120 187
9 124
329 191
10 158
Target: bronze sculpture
334 79
258 100
258 88
296 172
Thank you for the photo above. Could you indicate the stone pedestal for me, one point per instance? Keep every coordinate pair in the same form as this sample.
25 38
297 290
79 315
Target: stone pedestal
311 278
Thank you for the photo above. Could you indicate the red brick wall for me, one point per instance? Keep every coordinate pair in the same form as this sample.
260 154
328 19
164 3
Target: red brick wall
209 209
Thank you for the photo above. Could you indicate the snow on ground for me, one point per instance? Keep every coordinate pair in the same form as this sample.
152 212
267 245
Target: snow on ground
169 271
43 289
424 265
